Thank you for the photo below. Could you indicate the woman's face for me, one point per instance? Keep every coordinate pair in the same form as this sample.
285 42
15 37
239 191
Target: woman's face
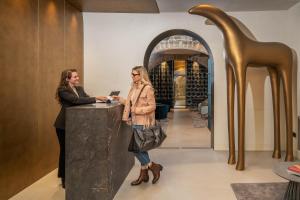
74 80
135 75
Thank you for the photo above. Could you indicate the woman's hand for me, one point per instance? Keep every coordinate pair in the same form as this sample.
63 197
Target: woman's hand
116 97
101 98
120 99
129 122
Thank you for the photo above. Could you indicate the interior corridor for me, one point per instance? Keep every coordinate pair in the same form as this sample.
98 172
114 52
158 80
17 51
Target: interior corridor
185 129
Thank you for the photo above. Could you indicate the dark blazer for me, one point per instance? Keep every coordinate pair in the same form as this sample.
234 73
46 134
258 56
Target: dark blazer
68 99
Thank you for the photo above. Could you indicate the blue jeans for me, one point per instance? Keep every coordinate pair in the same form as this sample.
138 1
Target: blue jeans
143 157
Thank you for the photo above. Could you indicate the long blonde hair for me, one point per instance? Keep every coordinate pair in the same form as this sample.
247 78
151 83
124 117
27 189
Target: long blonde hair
143 73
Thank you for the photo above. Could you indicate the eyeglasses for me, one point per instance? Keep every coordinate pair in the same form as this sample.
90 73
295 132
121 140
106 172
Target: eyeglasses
134 74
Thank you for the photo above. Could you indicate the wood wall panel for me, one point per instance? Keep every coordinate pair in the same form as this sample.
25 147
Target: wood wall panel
51 63
74 39
32 56
18 61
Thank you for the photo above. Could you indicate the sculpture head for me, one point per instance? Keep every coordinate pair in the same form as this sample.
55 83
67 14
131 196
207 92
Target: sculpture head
223 21
204 10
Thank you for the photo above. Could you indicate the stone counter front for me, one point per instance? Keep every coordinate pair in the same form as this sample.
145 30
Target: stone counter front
97 160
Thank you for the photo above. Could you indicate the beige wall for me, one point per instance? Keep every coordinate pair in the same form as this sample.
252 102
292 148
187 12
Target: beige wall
294 30
114 43
38 39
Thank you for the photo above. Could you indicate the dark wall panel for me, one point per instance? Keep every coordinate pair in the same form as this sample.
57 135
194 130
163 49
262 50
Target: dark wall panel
32 56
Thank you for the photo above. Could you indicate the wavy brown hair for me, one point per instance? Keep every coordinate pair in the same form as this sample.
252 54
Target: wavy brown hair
63 83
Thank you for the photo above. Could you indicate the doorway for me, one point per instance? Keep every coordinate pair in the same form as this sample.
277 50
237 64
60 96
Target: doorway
180 65
182 86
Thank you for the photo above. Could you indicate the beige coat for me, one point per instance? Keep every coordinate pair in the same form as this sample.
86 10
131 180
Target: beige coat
144 108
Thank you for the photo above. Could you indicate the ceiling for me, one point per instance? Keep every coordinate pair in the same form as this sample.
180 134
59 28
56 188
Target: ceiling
116 6
227 5
190 52
156 6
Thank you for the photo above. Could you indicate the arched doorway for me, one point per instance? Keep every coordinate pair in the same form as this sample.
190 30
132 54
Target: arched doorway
210 66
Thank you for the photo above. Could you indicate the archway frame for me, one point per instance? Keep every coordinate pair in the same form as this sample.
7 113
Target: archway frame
173 32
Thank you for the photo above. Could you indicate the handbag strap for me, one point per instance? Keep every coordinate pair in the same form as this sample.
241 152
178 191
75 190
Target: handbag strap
139 95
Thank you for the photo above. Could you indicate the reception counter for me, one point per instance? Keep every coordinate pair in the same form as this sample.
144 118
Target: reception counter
97 160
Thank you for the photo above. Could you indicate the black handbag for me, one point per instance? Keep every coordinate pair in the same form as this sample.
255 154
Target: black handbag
147 138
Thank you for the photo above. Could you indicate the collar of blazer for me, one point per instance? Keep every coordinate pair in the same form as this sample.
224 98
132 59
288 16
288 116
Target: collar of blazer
75 91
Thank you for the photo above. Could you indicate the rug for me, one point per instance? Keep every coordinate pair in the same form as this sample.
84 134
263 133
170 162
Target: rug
198 121
259 191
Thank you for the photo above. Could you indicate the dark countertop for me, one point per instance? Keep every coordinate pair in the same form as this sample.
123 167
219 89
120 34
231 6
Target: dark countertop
95 106
281 170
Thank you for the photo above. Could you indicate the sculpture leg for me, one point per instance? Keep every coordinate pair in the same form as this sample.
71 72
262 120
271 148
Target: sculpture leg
241 91
287 85
276 110
230 112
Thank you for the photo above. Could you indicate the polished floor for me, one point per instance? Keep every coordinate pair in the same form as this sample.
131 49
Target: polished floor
191 170
188 174
182 132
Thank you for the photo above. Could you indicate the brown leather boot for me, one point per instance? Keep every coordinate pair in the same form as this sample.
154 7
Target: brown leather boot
144 177
155 168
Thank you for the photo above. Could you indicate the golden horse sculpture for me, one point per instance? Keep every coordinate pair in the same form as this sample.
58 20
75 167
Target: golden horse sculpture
242 52
275 84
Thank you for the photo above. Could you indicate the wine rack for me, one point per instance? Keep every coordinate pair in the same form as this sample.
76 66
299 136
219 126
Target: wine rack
162 80
196 84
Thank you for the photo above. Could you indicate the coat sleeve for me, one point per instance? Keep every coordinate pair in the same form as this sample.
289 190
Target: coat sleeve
68 96
127 107
122 101
151 103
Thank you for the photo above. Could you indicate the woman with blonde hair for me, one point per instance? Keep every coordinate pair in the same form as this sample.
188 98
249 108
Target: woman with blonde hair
139 111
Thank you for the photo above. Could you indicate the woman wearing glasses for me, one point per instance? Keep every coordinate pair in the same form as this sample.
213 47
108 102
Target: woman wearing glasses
142 113
68 93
